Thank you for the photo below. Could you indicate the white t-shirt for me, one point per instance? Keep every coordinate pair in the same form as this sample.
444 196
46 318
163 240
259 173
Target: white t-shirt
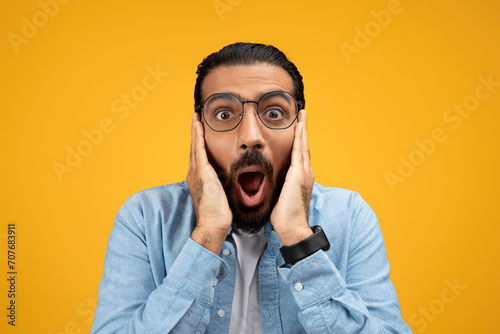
245 316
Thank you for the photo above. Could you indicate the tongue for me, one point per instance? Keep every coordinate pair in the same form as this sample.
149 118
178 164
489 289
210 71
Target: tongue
250 182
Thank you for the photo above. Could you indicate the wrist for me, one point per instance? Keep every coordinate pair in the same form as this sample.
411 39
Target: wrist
295 236
211 239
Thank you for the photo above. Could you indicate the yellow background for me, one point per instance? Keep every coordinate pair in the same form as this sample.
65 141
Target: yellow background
365 112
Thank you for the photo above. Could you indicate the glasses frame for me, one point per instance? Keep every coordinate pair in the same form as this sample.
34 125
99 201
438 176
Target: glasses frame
298 106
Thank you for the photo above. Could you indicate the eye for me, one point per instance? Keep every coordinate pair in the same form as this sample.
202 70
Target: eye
274 114
223 115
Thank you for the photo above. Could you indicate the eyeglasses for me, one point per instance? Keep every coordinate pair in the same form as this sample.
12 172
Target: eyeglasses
225 111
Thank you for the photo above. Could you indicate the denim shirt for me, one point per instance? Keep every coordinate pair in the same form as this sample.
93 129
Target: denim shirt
158 280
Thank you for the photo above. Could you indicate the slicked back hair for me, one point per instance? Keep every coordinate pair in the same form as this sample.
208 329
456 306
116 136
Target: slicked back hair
247 54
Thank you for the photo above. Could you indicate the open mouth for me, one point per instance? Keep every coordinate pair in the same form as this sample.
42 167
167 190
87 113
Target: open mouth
251 187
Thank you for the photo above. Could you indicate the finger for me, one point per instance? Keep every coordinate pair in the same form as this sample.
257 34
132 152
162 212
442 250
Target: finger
191 150
302 115
297 154
193 137
200 154
305 141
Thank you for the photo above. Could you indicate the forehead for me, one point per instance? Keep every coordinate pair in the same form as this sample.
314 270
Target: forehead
248 81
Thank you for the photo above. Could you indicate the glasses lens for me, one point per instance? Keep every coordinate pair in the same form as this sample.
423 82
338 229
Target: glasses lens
277 109
222 111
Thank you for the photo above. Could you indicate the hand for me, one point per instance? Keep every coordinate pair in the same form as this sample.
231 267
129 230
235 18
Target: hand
213 215
289 216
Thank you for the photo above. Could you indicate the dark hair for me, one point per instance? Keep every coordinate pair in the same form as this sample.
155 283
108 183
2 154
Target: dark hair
248 54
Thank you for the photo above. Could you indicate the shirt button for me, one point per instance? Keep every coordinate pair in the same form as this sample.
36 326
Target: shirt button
226 252
221 313
298 287
215 282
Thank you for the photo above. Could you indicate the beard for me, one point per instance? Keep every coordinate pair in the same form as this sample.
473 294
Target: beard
252 219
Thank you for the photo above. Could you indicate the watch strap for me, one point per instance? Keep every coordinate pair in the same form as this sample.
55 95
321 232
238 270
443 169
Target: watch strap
310 245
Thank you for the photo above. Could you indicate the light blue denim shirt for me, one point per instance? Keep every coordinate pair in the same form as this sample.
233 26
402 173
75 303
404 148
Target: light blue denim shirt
158 280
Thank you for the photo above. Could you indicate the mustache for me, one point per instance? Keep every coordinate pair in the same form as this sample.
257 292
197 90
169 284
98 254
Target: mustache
251 158
248 158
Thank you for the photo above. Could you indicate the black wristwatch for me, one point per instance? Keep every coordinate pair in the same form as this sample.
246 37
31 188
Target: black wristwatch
308 246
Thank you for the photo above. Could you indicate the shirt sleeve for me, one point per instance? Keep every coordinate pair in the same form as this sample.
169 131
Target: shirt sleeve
130 301
365 301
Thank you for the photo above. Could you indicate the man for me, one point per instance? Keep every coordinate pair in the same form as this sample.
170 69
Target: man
248 243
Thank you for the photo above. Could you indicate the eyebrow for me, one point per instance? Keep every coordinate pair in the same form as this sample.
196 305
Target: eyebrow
224 96
274 93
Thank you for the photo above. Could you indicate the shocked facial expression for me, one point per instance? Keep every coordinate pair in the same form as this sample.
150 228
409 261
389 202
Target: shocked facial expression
252 159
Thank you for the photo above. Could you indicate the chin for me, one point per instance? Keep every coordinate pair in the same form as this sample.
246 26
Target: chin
251 219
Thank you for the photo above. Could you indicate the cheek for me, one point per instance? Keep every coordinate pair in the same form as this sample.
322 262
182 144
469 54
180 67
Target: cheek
282 149
218 149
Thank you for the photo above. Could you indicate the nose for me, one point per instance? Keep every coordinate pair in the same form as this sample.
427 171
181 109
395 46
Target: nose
250 129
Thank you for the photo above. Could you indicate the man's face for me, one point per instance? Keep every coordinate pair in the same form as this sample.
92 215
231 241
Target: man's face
251 160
